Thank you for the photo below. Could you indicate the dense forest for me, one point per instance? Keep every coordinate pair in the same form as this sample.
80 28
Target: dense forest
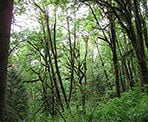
73 61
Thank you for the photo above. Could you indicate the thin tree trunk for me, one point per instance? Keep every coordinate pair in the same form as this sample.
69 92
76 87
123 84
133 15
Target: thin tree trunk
6 7
136 38
103 66
72 61
140 45
131 82
55 55
85 77
126 15
140 54
123 67
115 59
51 71
144 20
121 74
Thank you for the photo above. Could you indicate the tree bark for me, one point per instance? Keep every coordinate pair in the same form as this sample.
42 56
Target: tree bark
115 59
6 7
71 60
140 46
132 23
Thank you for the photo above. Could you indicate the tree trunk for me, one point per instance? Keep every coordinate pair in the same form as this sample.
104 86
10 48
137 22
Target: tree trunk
135 35
6 7
71 60
140 46
113 40
104 70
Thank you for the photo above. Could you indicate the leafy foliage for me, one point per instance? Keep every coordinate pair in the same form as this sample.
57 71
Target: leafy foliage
17 98
79 58
131 107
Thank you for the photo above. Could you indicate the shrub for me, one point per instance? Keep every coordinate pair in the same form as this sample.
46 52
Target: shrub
16 97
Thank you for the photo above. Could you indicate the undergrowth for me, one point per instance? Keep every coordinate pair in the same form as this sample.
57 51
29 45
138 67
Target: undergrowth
132 106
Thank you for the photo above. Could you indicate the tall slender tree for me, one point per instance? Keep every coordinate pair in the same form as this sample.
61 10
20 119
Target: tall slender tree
130 19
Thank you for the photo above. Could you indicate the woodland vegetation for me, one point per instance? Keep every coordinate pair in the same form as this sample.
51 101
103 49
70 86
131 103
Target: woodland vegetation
74 61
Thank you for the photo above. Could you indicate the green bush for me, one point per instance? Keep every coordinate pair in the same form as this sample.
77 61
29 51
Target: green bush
16 97
131 107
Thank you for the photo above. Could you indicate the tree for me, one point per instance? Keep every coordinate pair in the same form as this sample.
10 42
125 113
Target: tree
131 20
6 7
76 60
111 39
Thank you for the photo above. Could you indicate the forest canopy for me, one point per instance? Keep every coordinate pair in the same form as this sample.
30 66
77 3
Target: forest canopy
73 60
